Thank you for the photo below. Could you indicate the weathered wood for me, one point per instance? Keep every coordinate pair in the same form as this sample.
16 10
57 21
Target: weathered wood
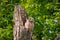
22 29
58 37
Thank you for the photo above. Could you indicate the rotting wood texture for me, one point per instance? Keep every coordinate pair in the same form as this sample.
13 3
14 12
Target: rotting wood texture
23 26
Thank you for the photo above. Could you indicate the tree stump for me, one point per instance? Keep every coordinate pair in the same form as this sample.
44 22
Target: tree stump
22 25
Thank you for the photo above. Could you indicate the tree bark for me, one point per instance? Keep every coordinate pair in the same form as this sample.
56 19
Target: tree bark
58 37
19 30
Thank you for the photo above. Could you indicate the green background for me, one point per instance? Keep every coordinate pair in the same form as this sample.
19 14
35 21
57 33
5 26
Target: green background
46 14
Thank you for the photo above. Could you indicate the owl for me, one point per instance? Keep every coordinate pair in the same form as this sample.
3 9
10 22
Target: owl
29 25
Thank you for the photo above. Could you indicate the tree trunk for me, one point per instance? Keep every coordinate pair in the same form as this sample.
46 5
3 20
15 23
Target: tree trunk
19 30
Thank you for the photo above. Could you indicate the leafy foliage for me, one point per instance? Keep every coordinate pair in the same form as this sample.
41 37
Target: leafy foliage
46 14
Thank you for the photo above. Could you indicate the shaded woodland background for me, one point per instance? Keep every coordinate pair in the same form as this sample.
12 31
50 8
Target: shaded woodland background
46 14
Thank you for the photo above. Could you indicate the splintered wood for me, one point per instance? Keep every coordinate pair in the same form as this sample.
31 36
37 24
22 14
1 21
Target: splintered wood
22 29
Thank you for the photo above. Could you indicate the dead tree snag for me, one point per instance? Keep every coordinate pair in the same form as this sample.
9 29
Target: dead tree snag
22 25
